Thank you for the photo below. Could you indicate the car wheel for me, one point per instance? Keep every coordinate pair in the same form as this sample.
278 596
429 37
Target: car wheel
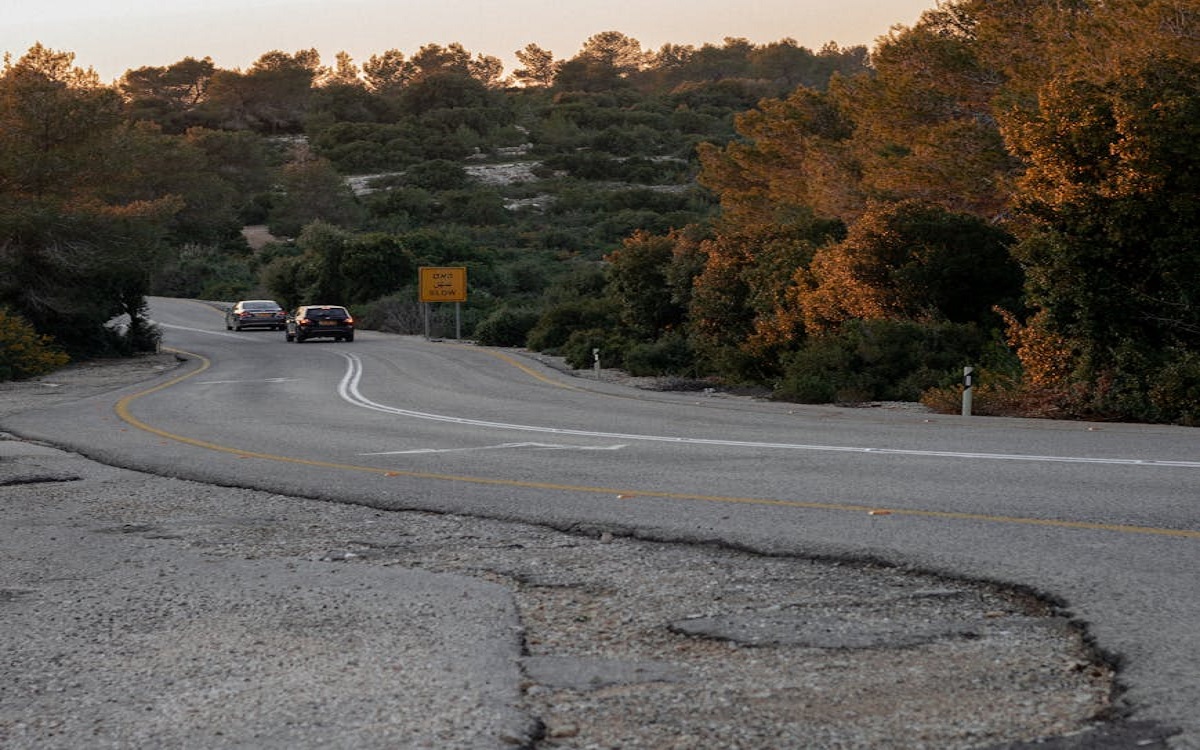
349 338
299 339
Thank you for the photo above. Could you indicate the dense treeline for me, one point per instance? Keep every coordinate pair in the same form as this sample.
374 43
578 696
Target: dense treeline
975 188
110 192
832 226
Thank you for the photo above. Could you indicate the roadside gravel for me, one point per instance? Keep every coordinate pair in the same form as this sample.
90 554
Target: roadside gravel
141 611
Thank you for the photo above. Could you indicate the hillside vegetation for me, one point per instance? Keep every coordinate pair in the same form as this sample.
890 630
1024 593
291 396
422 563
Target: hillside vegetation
836 225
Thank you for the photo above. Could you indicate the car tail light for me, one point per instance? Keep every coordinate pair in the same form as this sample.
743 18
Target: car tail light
349 320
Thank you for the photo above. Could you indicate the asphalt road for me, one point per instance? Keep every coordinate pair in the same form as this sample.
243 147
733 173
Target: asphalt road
1102 518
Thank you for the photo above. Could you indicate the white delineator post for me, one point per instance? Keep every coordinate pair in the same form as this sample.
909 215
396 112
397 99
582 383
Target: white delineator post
966 401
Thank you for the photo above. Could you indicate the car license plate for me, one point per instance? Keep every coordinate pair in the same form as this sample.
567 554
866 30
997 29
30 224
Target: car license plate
328 323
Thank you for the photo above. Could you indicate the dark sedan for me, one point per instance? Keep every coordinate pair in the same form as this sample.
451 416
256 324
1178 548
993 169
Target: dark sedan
255 313
320 321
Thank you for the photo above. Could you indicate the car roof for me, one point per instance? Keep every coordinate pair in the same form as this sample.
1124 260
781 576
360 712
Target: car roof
245 302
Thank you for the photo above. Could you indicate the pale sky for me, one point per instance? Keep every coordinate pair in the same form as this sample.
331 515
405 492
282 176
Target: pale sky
113 36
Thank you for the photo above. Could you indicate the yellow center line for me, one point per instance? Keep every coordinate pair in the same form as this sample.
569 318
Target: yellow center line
122 409
528 370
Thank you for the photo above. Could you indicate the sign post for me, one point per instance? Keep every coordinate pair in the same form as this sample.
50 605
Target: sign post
443 284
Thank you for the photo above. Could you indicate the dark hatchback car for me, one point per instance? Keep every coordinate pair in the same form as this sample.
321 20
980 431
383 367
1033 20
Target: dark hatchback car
255 313
320 321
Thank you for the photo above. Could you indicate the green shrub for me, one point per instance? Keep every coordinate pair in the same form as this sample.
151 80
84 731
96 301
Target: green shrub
204 272
1168 393
996 394
580 349
670 355
24 353
474 207
880 361
396 313
506 326
814 374
437 174
559 322
1176 390
120 338
406 206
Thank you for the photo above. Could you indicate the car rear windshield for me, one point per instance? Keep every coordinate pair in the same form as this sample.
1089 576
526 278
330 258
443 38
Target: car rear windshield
335 313
260 306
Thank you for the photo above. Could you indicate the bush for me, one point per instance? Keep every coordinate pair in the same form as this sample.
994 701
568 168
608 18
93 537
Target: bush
437 174
558 323
670 355
397 313
507 326
815 374
880 361
1176 390
204 272
579 349
122 339
406 206
996 394
476 207
1168 394
1143 385
24 353
587 165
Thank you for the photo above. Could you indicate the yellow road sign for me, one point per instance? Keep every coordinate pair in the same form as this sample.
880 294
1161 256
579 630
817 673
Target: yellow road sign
443 284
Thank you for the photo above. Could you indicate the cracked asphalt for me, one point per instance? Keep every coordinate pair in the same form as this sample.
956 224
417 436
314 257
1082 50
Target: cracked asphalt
140 611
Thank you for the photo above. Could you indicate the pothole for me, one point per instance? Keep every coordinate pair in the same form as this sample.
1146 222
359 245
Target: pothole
639 644
634 643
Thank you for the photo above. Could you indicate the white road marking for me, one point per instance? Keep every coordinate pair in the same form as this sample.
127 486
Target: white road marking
227 334
348 390
261 380
501 446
